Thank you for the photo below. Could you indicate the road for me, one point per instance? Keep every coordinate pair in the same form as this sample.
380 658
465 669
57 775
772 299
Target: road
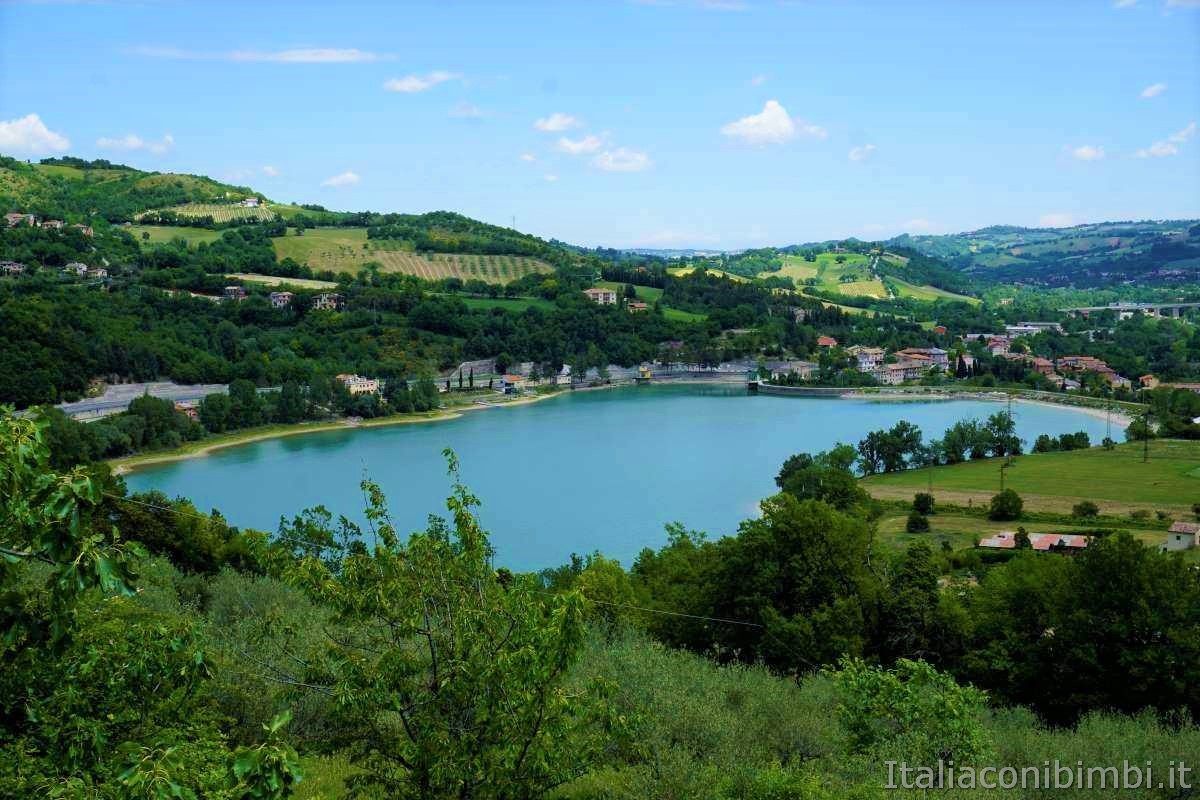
117 398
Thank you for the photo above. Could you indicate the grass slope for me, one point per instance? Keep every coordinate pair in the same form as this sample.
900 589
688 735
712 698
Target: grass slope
272 280
903 288
1117 481
349 249
162 234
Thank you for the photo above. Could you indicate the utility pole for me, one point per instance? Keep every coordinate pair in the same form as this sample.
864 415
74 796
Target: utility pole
1146 436
1003 467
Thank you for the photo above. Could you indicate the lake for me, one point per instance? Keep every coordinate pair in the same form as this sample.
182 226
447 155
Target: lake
584 471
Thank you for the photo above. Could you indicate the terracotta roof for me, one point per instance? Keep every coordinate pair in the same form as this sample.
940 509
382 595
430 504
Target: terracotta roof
1185 527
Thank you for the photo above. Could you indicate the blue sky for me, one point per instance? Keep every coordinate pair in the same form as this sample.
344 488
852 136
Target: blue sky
718 123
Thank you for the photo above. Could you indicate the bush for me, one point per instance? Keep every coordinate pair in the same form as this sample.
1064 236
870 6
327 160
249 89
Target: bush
923 503
1006 506
917 523
1085 509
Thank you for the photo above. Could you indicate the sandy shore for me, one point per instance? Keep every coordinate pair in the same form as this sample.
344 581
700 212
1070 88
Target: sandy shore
123 466
1120 417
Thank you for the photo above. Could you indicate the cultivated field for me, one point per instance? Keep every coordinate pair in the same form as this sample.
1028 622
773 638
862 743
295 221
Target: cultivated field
161 234
222 212
1117 480
678 271
275 280
961 531
931 293
348 249
850 276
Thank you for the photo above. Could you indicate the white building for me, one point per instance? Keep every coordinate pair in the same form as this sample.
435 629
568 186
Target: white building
357 384
281 299
604 297
1182 536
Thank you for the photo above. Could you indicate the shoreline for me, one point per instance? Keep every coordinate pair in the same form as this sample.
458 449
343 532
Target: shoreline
129 464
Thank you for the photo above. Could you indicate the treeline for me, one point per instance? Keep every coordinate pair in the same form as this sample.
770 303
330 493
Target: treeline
808 575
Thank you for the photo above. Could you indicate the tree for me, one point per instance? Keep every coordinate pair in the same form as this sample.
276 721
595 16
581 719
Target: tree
917 522
291 406
503 362
827 477
1085 509
923 503
1005 506
1002 439
214 412
447 681
245 406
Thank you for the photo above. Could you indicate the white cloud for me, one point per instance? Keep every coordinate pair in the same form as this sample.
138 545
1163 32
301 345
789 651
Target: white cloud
1087 152
622 159
579 147
467 111
556 123
549 177
862 153
131 142
411 84
312 55
759 80
1154 90
528 158
29 134
346 178
771 126
270 172
1056 220
1170 145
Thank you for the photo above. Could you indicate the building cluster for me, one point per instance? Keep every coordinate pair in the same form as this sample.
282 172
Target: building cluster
81 270
16 218
1064 371
909 364
1045 542
326 301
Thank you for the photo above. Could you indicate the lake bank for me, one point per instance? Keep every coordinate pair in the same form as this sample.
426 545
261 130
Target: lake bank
595 470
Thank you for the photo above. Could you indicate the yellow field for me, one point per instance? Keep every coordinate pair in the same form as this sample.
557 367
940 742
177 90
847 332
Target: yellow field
274 280
348 249
677 271
863 289
794 267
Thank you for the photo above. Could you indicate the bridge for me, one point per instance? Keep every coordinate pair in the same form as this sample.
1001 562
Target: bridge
1127 310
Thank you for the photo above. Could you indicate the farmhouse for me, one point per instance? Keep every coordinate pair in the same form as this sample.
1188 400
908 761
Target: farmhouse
511 384
86 230
1182 536
601 296
97 272
235 293
250 202
327 301
11 268
281 299
826 341
1043 542
52 224
76 268
637 307
17 218
357 384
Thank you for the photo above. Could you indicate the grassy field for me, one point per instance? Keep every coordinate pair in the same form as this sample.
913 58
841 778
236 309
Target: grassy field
796 268
961 531
647 294
678 271
348 249
652 294
222 212
274 280
930 293
1117 481
161 234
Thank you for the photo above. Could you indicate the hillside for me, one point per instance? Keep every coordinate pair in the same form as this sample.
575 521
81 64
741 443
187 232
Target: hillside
71 188
1099 254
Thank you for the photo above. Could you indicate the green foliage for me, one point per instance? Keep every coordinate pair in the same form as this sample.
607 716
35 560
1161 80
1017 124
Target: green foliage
912 713
446 680
1085 509
827 477
269 771
1005 506
916 522
923 503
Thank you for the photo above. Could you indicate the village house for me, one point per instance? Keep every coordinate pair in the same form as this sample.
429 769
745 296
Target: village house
637 307
782 369
281 299
236 293
250 202
511 384
826 341
936 356
357 384
601 296
1042 542
76 268
940 330
86 230
52 224
1182 536
11 268
97 273
188 408
1148 382
17 218
900 372
998 345
868 357
327 301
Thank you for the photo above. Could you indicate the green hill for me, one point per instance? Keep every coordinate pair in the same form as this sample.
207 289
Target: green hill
71 188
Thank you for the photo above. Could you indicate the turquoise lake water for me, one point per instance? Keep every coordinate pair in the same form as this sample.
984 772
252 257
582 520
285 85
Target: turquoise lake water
585 471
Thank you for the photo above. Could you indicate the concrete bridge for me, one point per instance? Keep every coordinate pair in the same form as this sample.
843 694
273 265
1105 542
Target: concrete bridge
1127 310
